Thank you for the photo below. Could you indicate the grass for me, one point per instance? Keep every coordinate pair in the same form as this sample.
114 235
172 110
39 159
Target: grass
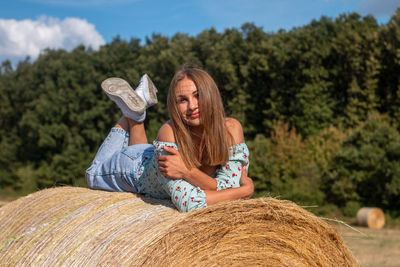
373 247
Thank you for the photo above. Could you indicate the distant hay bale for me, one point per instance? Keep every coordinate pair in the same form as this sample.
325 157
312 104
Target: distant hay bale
371 217
81 227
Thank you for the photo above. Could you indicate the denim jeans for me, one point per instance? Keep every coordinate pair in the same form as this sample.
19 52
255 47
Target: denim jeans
116 164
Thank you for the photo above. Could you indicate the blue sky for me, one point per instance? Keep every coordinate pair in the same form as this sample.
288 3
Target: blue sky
28 26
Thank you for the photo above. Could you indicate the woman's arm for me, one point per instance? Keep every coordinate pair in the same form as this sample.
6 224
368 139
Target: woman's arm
187 197
245 190
172 166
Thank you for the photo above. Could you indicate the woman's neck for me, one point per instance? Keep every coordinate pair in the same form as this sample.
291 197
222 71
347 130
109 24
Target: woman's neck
196 132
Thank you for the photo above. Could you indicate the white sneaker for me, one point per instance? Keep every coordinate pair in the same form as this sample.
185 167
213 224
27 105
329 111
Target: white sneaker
147 91
130 103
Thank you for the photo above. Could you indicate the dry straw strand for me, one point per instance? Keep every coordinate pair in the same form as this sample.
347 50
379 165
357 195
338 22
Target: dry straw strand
71 226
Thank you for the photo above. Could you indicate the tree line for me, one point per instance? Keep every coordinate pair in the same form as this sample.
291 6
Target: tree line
319 104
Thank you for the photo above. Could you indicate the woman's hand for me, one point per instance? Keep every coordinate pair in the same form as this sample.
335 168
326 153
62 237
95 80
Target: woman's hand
172 166
246 183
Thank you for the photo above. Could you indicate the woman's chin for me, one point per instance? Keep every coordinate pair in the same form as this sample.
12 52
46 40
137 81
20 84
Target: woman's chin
193 122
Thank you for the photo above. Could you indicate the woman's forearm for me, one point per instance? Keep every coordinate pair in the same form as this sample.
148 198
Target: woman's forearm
213 197
200 179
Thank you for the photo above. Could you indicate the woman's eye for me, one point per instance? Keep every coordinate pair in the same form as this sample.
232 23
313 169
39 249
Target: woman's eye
181 100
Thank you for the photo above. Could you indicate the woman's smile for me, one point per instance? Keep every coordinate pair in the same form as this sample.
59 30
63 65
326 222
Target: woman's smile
194 115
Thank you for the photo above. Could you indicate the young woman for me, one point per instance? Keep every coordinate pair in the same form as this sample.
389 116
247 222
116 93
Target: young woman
199 157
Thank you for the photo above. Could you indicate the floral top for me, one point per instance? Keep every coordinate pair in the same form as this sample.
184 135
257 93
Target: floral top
184 195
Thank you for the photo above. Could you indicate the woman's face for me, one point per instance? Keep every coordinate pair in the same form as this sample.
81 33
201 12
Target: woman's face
187 99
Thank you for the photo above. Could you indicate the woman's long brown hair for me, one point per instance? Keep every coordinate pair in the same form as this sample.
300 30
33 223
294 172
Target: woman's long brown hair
215 140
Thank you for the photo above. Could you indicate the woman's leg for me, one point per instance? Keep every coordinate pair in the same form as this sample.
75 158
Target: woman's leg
115 166
137 133
117 139
125 149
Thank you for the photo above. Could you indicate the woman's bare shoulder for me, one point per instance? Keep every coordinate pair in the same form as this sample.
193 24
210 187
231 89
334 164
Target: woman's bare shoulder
166 133
235 129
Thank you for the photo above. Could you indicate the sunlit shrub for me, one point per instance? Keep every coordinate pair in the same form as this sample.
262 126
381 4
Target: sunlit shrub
290 167
366 169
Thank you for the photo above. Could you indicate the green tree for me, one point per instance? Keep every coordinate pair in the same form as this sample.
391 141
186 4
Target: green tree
366 169
389 80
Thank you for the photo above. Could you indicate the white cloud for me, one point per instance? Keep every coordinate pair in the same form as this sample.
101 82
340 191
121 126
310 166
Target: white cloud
19 39
378 7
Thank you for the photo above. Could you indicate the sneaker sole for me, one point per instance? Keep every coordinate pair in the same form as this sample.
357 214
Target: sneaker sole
120 88
152 90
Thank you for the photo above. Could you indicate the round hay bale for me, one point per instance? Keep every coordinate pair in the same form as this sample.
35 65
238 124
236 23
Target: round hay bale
81 227
371 217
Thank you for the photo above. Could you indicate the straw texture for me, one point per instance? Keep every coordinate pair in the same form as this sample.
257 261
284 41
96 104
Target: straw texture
76 226
371 217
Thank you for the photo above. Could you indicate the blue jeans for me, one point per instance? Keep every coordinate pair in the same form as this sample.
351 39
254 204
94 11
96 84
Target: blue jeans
116 164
